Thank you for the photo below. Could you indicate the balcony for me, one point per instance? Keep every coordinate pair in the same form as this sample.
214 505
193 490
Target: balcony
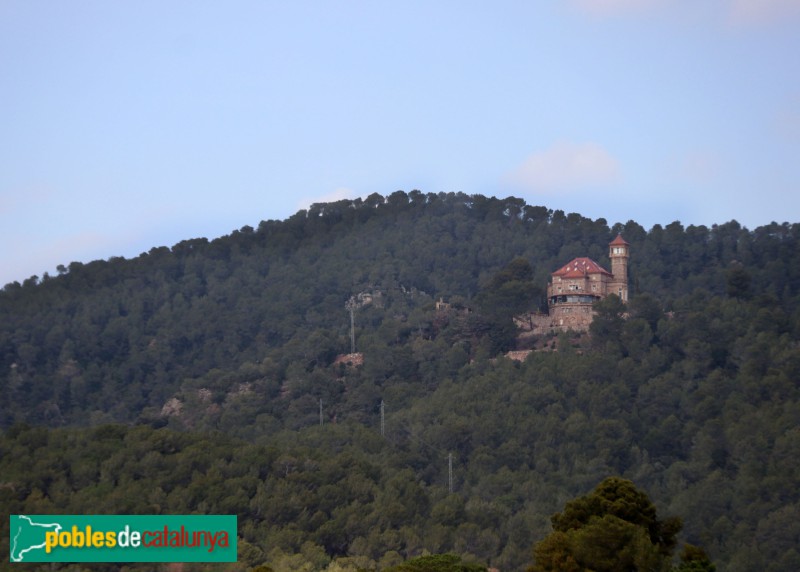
573 299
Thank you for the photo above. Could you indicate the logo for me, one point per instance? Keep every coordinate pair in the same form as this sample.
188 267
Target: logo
117 538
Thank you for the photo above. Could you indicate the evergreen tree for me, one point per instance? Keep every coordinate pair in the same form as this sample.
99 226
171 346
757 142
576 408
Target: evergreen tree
612 529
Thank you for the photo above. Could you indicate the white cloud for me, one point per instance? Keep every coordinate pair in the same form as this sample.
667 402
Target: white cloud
745 12
338 194
566 167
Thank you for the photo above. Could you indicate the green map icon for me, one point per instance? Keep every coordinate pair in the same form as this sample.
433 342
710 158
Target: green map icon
28 535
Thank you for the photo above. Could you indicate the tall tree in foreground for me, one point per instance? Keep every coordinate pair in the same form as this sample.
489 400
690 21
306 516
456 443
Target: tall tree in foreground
612 529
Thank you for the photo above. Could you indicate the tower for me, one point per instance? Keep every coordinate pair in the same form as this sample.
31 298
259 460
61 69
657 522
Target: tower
619 252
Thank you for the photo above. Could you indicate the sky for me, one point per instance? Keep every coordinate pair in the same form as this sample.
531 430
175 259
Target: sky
133 124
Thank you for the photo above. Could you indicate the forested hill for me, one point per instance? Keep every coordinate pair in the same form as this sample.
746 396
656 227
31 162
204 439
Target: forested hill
111 338
691 391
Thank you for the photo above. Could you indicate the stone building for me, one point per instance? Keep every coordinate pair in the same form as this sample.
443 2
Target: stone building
579 284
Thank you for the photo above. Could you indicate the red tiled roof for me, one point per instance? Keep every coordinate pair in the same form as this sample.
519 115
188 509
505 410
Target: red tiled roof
580 267
619 241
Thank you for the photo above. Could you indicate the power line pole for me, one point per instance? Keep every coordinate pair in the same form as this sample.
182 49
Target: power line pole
351 305
383 419
450 472
352 329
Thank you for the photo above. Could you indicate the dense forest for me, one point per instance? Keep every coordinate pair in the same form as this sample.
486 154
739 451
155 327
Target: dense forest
204 378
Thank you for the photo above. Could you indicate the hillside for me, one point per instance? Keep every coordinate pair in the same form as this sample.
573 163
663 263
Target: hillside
215 356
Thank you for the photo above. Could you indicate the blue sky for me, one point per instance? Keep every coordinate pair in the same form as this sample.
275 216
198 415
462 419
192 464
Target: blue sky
131 124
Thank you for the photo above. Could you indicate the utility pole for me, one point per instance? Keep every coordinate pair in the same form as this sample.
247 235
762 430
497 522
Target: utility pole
383 419
351 305
320 412
352 329
450 472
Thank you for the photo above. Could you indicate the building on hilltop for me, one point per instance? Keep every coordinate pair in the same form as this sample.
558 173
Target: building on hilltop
579 284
